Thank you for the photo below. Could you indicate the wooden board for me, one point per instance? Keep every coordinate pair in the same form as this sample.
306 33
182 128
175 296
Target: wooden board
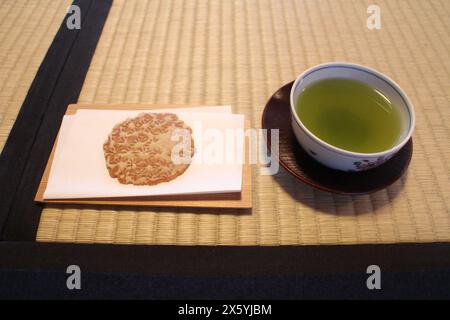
241 199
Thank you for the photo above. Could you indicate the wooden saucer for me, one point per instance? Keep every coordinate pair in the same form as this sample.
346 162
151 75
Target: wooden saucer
296 161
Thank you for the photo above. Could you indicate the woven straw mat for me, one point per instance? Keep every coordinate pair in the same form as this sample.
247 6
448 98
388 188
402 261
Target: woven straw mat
239 53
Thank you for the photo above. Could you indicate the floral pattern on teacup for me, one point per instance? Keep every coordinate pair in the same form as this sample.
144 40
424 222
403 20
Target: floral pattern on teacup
367 164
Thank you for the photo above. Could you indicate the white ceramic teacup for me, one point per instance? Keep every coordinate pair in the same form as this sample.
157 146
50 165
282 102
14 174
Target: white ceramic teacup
338 158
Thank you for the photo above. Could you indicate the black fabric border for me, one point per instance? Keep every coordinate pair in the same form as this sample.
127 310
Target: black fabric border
58 83
178 272
52 285
224 260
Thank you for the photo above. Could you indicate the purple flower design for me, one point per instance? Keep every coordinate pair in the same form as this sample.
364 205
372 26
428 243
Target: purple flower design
367 164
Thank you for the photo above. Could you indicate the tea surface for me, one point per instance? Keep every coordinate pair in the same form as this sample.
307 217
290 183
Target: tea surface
350 115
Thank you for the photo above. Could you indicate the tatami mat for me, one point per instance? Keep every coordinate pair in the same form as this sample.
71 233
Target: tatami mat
27 29
239 53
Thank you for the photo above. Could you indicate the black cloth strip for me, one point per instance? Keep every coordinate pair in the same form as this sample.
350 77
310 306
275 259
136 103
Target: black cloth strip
224 260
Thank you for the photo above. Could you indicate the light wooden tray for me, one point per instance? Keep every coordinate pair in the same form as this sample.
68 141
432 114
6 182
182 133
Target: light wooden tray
241 199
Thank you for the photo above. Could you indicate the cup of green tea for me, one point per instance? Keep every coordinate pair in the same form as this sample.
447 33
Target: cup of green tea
350 117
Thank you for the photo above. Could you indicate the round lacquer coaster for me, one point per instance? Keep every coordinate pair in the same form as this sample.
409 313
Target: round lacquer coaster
301 164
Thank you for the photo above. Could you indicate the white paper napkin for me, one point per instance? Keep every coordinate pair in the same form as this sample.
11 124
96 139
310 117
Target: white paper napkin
79 170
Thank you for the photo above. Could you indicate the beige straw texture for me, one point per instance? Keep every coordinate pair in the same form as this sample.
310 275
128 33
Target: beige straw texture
27 29
239 53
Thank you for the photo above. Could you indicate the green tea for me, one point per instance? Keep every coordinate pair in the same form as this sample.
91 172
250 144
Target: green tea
350 115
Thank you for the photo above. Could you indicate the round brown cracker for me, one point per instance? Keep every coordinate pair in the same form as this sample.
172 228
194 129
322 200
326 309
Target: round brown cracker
139 151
